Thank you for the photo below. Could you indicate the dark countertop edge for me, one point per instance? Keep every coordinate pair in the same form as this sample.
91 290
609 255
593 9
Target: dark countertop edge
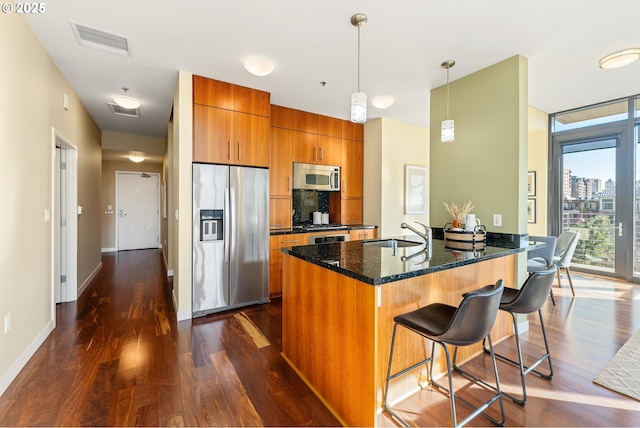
405 275
290 231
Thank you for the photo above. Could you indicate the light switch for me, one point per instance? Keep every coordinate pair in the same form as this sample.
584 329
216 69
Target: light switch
109 207
47 215
79 209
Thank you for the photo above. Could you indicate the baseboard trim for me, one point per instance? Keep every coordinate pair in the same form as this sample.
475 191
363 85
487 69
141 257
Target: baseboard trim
523 327
109 250
180 315
86 283
25 356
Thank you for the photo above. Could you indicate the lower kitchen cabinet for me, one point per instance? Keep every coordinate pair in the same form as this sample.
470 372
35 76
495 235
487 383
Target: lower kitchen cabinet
276 242
362 234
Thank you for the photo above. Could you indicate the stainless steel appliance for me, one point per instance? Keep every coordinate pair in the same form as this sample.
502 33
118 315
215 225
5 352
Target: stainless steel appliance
328 238
230 237
316 177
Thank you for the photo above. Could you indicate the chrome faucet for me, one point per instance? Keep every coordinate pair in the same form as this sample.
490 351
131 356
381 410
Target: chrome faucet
426 235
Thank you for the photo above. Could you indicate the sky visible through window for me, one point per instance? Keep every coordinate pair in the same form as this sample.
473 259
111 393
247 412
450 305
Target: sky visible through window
592 164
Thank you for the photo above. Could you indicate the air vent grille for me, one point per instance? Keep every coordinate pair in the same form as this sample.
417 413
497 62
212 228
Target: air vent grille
120 111
101 40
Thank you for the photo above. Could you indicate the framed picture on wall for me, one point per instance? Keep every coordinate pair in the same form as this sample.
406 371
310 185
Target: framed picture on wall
531 211
531 183
415 190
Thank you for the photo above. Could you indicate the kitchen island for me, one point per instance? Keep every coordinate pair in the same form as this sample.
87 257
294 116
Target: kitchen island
338 304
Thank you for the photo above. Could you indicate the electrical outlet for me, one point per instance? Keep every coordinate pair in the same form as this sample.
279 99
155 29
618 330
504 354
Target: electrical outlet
497 220
7 323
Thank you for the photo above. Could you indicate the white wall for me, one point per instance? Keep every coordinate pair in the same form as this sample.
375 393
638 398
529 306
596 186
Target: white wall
31 105
388 147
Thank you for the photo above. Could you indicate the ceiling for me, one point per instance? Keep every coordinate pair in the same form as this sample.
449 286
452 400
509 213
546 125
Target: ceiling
402 46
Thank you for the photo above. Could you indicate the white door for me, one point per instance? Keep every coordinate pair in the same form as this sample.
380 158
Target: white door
138 209
65 226
60 217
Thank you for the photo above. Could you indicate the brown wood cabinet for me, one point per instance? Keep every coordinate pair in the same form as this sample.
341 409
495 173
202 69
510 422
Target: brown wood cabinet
279 213
224 136
362 234
352 169
280 162
316 149
351 211
230 123
276 242
215 93
317 139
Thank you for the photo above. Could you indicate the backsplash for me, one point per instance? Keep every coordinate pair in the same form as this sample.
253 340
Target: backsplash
306 202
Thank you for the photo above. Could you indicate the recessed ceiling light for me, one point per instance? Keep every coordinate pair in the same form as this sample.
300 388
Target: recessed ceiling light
620 59
258 66
382 102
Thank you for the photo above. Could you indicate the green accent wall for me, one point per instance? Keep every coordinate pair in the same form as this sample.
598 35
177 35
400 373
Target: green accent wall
487 162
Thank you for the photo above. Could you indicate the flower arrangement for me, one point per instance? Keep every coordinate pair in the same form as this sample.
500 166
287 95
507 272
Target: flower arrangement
459 211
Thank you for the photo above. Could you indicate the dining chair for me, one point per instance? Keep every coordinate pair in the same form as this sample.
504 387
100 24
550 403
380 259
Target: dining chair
540 259
565 247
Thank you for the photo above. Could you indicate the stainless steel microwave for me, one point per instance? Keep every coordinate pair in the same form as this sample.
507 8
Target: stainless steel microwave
316 177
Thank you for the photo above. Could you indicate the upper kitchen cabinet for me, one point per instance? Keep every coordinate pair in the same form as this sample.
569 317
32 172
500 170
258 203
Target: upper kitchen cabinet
330 126
230 123
228 137
352 169
281 117
214 93
280 162
352 131
316 149
305 122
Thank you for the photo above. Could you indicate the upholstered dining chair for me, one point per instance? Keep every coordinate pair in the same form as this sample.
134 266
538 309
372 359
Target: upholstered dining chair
447 325
565 247
541 259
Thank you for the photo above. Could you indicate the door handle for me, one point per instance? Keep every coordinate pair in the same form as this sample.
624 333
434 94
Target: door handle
619 229
121 213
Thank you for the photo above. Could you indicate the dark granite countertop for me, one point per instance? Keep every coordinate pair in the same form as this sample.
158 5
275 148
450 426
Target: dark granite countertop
289 230
374 265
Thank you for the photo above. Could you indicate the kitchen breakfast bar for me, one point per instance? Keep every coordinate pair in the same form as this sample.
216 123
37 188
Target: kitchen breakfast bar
338 304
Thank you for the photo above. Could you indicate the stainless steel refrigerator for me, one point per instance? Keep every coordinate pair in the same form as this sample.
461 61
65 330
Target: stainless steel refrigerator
230 237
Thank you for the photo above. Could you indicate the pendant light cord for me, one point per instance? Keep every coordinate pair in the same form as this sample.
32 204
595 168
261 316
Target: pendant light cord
448 92
359 25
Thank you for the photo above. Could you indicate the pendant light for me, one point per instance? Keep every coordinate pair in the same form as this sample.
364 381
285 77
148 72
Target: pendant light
447 133
359 99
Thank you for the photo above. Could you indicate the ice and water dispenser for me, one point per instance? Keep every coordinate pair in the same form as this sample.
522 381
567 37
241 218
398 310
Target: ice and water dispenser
211 225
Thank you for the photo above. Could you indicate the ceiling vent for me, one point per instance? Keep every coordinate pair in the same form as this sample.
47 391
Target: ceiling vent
101 40
121 111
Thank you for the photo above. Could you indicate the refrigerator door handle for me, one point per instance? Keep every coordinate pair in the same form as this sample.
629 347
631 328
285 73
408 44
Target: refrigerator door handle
227 225
232 237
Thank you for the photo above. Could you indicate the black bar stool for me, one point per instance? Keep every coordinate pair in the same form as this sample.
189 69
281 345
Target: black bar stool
529 298
467 324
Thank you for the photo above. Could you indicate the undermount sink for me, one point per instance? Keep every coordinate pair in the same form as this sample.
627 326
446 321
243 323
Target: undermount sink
391 243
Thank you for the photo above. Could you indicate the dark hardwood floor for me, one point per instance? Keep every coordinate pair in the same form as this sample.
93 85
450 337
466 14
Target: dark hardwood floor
118 358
